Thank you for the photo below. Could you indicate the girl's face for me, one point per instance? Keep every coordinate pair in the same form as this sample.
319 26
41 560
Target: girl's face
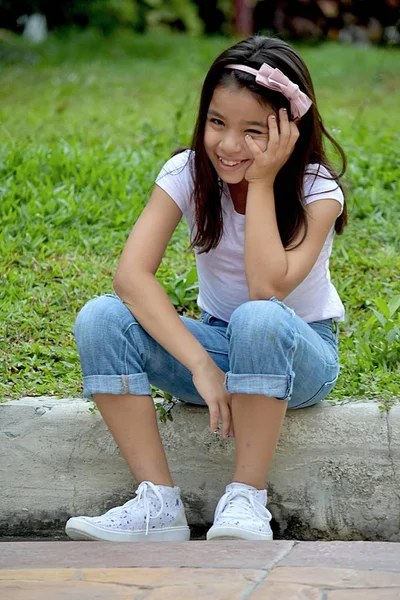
232 114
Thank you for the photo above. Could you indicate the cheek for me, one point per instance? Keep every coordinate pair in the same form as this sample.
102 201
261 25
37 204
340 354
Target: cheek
210 138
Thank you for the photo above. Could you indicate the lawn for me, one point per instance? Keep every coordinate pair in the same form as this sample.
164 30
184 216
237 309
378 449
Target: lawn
86 123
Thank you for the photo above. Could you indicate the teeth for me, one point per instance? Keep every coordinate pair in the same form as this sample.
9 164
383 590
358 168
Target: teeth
229 163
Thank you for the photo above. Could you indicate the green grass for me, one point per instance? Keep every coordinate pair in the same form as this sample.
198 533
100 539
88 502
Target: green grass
85 125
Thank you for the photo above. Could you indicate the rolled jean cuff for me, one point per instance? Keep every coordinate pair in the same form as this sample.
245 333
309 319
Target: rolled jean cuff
137 384
274 386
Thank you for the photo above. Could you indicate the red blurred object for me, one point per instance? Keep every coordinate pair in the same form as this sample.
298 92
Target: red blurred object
244 17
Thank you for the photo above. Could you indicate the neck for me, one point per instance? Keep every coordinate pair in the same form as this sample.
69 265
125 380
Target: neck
238 193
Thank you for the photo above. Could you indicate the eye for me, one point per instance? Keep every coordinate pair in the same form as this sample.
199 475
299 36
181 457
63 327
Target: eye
255 131
216 121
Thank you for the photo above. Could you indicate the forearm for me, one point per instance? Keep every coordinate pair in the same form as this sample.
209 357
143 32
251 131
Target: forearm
265 258
149 303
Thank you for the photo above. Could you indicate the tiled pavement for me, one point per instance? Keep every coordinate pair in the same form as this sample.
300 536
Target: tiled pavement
224 570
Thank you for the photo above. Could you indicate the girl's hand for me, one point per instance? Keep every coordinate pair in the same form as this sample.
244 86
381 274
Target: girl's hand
266 164
209 382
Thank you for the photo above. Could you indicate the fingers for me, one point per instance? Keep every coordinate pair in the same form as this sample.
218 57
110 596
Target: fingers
273 132
284 125
254 148
279 136
288 130
226 419
221 412
214 417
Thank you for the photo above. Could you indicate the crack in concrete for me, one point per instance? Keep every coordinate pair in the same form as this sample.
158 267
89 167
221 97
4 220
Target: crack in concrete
137 586
247 593
11 435
283 554
265 572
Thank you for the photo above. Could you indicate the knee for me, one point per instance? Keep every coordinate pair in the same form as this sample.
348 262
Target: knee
99 320
259 322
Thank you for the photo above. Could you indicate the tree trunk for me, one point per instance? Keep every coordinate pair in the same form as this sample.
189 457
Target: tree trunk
244 17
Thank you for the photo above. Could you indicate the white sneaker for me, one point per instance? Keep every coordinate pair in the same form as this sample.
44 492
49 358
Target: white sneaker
241 514
156 514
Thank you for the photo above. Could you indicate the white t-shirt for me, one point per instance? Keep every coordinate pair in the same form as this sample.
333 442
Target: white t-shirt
221 273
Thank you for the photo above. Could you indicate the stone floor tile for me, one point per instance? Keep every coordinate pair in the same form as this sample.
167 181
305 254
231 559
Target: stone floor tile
124 584
373 594
285 591
228 554
382 556
166 577
335 578
208 591
73 590
40 574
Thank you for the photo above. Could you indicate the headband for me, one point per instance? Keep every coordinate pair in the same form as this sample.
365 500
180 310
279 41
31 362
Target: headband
275 80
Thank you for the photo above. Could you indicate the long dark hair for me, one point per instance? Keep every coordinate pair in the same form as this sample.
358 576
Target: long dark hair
288 187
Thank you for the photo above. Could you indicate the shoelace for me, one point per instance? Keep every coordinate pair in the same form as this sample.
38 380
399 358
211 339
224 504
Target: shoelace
142 501
241 508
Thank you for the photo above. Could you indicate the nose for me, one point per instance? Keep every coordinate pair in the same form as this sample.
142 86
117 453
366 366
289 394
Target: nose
230 144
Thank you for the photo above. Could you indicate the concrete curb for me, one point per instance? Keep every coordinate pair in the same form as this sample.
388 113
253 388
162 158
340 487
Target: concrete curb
335 475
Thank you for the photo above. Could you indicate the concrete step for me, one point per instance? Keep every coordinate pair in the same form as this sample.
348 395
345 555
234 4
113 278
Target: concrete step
224 570
335 475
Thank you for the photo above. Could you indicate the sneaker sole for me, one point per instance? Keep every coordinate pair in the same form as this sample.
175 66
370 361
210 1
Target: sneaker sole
233 533
79 531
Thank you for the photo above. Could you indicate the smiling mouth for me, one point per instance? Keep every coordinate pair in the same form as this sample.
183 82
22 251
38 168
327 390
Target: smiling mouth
230 163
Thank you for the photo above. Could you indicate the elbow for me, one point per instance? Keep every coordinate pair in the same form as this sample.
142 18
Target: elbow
119 284
263 288
130 285
124 285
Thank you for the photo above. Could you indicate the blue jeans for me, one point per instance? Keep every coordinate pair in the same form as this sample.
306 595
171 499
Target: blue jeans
264 349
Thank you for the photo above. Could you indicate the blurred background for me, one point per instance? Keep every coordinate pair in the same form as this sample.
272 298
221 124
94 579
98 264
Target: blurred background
362 21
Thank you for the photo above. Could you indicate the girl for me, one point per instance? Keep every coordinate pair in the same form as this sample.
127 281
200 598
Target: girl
262 203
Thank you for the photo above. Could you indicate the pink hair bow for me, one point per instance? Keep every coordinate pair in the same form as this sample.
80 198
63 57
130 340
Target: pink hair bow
275 80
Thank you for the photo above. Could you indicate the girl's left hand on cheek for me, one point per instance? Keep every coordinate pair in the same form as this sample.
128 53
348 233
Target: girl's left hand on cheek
266 165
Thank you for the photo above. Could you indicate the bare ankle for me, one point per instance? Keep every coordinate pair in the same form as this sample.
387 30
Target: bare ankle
259 484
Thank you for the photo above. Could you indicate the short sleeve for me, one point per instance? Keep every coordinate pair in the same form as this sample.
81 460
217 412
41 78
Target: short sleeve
319 185
176 180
